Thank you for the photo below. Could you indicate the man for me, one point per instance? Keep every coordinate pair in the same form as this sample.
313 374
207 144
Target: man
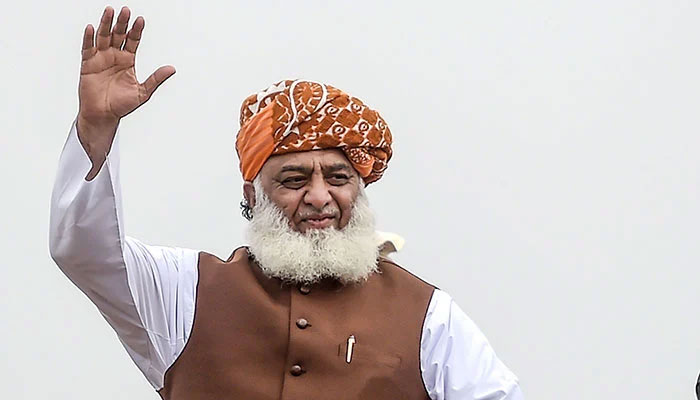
309 309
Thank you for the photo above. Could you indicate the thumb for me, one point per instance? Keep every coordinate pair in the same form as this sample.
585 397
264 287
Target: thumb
156 79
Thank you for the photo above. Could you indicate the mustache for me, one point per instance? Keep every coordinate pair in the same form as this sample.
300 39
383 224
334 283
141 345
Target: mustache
325 213
348 255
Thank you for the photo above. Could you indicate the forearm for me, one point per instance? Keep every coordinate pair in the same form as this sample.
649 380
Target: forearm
138 288
85 226
146 293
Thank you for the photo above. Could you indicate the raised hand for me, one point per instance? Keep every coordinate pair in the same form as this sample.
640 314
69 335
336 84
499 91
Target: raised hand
108 88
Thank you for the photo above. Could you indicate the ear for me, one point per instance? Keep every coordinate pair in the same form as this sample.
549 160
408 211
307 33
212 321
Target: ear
249 193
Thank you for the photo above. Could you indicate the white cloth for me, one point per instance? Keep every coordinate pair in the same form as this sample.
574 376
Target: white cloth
147 293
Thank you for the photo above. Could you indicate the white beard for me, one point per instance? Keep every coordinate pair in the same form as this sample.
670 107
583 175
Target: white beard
348 255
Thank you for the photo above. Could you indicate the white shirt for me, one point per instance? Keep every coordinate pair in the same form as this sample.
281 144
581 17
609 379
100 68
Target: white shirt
148 293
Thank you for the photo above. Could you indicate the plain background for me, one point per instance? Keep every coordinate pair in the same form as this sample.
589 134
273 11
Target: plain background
545 172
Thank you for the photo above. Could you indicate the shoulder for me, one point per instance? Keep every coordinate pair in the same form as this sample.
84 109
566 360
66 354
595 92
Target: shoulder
446 317
389 269
214 270
454 349
208 259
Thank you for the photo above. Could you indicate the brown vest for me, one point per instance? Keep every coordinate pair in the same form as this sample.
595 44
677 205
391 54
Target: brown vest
256 338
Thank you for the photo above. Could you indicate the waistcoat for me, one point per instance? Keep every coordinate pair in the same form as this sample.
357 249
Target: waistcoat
256 338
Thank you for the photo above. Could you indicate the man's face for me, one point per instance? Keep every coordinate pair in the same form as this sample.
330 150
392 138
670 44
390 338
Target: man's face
314 189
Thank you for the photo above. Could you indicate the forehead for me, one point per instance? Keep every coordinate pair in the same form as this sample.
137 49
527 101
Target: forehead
307 159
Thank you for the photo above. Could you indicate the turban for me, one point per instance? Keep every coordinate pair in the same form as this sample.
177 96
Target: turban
293 116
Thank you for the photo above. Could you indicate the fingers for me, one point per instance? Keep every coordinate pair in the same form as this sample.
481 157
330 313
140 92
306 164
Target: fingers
155 80
119 31
104 30
88 41
88 37
134 36
106 36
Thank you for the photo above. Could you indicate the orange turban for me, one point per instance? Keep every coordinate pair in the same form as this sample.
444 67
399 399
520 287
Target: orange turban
299 115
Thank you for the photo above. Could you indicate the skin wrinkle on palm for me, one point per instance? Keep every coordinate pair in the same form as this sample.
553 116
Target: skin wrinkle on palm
108 89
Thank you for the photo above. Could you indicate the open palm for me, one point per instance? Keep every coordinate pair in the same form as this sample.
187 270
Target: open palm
108 88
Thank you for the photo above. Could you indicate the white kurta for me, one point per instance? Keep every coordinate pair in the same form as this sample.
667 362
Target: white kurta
148 293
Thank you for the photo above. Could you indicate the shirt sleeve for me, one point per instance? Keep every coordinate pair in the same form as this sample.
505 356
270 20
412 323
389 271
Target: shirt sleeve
146 293
457 362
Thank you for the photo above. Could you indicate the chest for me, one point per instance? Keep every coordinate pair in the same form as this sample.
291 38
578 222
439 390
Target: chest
257 338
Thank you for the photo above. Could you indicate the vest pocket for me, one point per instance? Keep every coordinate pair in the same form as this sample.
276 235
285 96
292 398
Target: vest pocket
364 353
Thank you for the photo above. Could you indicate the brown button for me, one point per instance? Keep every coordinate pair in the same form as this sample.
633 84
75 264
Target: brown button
305 289
296 370
302 323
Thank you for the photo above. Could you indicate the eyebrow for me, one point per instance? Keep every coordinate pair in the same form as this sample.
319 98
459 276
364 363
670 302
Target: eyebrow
336 167
296 168
307 170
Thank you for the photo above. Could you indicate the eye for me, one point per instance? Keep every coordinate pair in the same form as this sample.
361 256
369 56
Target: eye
338 179
294 182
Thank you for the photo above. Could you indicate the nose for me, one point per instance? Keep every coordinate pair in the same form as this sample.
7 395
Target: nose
317 195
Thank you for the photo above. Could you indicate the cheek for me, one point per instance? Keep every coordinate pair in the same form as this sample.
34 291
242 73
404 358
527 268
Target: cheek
345 200
288 203
345 203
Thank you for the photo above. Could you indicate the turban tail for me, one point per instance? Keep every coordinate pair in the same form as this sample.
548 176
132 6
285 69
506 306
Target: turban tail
294 116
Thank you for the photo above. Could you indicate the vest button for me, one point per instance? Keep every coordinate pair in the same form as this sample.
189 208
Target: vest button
305 289
302 323
296 370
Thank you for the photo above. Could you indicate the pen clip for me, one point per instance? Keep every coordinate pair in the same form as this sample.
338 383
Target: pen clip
351 345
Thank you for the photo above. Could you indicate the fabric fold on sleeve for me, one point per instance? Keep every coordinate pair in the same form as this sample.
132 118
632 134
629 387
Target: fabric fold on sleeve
146 293
457 361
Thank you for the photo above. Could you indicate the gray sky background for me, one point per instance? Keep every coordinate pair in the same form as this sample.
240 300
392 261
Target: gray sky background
545 172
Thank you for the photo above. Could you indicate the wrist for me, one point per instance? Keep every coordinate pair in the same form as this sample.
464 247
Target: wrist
96 124
96 137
